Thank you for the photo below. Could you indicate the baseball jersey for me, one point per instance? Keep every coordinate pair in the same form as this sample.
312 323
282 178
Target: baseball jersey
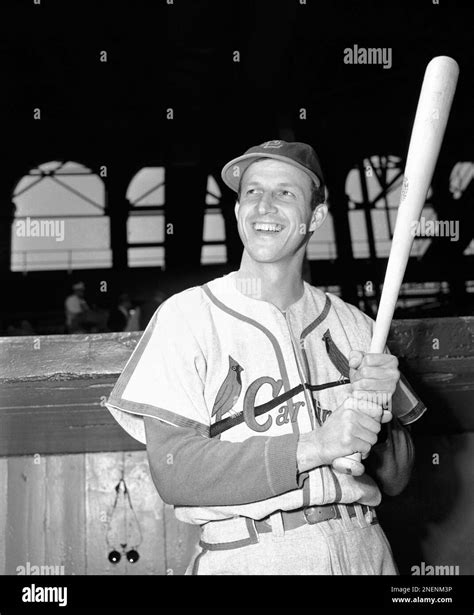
231 366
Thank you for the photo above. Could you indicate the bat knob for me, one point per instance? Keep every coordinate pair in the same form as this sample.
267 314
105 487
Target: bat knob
349 465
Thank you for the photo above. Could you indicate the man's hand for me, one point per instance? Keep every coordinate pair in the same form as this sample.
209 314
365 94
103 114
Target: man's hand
374 376
355 424
352 427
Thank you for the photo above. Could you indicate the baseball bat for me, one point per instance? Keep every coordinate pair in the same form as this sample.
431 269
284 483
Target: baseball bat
431 117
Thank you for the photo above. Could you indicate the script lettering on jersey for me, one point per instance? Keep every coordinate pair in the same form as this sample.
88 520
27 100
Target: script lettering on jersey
249 402
284 411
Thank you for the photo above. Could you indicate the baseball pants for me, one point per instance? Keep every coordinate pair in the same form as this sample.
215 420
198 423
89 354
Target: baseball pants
345 546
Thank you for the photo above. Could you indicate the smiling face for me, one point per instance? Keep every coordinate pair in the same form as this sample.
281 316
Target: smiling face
274 214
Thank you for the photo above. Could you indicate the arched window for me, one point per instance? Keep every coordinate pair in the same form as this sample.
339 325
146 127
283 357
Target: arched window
213 242
146 222
373 190
59 220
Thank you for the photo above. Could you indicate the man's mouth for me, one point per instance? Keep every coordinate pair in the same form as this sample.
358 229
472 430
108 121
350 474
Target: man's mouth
267 227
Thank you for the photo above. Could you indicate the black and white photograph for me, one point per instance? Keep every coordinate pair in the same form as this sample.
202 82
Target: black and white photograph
237 318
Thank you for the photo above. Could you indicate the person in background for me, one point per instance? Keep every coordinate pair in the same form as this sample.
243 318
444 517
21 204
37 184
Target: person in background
75 307
20 328
141 316
120 315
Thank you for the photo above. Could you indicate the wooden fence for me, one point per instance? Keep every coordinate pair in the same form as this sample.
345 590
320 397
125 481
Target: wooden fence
62 454
55 509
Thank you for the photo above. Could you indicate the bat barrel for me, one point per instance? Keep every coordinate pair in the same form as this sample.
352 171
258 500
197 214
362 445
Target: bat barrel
431 117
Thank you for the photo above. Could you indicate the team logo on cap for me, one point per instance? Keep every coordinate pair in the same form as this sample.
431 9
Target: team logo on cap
274 144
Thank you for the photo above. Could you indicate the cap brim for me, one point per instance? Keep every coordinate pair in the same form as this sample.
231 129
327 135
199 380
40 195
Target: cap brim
231 177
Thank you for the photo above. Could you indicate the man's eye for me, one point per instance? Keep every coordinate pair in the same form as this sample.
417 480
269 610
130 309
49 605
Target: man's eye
287 193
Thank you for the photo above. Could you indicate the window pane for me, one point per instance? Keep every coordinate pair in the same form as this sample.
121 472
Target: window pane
214 227
213 193
213 254
146 257
147 187
460 178
322 244
146 229
358 229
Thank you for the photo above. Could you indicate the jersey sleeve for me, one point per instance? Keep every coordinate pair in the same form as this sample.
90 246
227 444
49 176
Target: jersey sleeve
164 377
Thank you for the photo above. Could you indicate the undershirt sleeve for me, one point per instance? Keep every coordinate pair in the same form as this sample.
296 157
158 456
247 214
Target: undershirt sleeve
191 470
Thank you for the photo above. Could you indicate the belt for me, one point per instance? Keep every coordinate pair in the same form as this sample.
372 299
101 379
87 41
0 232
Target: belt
311 515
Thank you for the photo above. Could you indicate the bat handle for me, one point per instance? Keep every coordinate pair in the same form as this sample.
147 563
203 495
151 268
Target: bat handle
352 464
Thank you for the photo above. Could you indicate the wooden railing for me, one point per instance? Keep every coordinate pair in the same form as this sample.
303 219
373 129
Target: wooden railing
53 387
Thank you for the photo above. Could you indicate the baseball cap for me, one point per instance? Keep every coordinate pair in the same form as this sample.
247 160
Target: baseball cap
300 155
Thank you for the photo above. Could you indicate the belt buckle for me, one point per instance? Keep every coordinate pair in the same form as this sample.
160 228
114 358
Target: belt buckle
312 514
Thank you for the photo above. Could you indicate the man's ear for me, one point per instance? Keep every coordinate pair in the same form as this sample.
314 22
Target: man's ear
319 215
236 209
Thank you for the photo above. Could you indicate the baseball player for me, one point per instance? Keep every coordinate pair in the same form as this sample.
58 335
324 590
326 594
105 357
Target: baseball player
247 388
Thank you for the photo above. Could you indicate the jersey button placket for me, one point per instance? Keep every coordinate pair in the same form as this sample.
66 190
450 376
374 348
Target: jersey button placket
294 345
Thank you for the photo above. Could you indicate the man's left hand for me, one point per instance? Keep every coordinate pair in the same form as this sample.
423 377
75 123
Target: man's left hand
374 376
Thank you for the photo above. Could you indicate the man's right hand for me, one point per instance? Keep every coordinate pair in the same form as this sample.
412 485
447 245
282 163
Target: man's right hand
351 428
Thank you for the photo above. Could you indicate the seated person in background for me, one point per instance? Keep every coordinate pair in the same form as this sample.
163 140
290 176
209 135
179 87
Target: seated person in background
75 308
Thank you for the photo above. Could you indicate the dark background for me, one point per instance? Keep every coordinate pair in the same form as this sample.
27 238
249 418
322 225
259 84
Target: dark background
181 56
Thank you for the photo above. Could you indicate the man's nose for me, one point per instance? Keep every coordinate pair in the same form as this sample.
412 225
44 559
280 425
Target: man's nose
266 203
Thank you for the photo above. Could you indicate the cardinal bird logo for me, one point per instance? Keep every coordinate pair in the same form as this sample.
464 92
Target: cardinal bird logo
229 390
337 358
